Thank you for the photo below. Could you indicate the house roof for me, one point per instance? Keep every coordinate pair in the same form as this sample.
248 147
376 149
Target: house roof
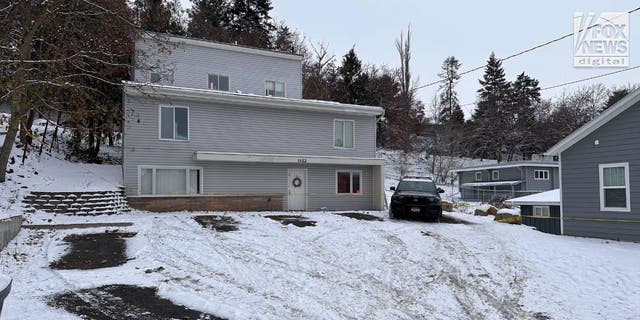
528 163
170 38
491 183
145 89
549 198
625 103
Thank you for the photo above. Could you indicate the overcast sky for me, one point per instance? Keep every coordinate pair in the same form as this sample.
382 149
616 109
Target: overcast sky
468 30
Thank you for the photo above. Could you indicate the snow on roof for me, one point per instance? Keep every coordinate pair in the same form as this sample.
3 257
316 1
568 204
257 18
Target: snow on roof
528 163
491 183
551 197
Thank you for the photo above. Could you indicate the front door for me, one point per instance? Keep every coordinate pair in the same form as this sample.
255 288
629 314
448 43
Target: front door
297 197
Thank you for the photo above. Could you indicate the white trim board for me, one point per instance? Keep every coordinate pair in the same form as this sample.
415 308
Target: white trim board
627 187
514 165
206 95
625 103
283 158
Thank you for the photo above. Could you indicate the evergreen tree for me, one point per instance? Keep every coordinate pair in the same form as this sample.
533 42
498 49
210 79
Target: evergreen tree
250 23
353 82
287 40
615 96
159 15
525 96
450 111
208 20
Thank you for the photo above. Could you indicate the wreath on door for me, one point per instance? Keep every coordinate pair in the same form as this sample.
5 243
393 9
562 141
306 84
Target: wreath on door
296 182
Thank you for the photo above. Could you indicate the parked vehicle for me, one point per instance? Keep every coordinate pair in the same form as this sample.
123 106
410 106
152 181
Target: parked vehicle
416 197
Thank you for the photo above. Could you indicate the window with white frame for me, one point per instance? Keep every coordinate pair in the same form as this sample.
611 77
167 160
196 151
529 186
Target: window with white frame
541 174
478 176
161 77
174 123
541 211
348 182
274 88
495 175
614 187
343 133
218 82
170 180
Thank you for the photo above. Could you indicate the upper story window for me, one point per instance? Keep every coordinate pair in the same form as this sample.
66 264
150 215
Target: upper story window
495 175
614 187
478 176
218 82
343 133
161 77
274 88
174 123
541 174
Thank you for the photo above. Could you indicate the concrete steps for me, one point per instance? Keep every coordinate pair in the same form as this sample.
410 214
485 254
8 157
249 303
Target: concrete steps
90 203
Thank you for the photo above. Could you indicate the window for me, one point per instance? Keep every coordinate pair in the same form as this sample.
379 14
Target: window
540 174
170 180
218 82
274 88
495 175
478 176
343 133
614 187
348 182
161 77
541 211
174 123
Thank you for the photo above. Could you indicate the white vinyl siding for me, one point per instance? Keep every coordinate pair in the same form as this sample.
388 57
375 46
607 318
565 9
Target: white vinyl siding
274 88
343 134
167 181
614 187
349 182
541 174
174 123
495 175
541 211
218 82
478 176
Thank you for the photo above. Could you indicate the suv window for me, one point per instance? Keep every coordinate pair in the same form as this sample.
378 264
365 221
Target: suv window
421 186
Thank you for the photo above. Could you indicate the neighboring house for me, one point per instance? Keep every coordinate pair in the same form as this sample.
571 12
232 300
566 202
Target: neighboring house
212 126
600 174
511 179
540 210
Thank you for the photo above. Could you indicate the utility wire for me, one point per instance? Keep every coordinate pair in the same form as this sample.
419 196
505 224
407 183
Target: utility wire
521 52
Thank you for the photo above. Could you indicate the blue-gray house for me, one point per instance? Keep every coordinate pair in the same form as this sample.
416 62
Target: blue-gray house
600 174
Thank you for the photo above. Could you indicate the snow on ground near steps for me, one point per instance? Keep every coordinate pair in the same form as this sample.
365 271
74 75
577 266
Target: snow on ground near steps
343 269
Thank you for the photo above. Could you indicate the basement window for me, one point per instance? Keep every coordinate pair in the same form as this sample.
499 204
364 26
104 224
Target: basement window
348 182
541 211
614 187
169 181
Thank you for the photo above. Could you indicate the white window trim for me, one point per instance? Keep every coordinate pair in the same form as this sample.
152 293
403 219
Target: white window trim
216 74
153 180
601 168
548 211
350 182
284 87
333 134
480 176
495 175
543 173
174 119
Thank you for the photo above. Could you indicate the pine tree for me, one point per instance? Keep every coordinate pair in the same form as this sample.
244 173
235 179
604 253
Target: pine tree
525 96
287 40
208 20
250 23
450 111
159 15
353 82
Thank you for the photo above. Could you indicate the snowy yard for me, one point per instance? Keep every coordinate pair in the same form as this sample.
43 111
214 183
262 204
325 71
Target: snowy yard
341 268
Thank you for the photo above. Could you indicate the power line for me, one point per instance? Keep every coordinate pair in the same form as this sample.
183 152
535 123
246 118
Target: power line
521 52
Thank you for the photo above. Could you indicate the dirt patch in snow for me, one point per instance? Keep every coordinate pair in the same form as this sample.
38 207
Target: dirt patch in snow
359 216
449 219
93 251
123 302
218 223
298 221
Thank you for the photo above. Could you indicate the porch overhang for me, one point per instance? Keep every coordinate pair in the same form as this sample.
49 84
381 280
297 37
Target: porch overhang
283 158
491 183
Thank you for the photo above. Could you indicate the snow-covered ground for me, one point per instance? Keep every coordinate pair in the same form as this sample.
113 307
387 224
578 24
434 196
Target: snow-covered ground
342 269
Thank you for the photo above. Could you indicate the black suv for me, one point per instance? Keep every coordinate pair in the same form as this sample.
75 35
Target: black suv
417 197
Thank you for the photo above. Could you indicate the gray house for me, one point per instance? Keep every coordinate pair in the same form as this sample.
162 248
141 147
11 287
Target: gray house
212 126
600 174
511 179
